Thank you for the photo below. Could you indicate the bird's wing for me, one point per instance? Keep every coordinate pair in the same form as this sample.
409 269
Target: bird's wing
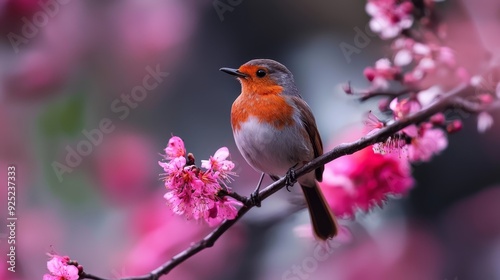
309 123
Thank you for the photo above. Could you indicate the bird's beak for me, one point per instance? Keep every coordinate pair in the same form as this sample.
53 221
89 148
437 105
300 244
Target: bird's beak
234 72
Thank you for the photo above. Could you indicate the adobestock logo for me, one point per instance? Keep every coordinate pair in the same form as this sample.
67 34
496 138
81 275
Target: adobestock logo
361 40
40 19
310 264
221 7
121 107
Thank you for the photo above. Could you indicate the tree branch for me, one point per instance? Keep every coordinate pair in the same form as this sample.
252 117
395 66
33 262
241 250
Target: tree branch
370 94
445 101
90 276
474 107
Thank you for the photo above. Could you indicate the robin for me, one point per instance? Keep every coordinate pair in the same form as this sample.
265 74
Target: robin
275 131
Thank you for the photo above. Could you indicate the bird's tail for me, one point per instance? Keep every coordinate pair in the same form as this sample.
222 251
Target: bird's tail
322 219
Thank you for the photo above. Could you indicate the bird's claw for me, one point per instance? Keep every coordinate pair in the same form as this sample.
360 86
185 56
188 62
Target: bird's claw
290 178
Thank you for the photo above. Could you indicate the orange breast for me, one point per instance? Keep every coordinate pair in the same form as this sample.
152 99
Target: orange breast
269 108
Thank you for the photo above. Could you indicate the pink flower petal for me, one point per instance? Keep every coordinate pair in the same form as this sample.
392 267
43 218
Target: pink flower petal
484 122
175 148
363 180
403 58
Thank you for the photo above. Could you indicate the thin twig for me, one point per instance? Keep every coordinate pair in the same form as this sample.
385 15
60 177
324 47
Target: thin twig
243 199
90 276
474 107
445 102
393 94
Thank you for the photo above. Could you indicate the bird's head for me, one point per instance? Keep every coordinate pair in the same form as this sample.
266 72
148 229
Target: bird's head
264 76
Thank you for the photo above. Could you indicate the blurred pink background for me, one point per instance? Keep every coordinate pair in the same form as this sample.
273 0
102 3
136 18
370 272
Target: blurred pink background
72 70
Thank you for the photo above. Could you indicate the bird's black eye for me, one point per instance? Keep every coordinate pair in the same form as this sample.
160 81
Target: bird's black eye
260 73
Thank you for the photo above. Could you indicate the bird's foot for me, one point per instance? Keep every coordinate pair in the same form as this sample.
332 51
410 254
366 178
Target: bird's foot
290 178
255 199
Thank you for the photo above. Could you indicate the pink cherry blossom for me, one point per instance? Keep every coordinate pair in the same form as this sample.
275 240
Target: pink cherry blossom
219 163
60 269
364 180
454 126
427 96
429 142
416 143
194 193
223 209
421 58
372 123
404 108
403 57
395 145
381 74
446 56
389 17
484 121
175 148
438 119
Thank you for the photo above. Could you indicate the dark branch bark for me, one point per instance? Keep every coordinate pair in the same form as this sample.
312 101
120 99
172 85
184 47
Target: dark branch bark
90 276
446 101
367 95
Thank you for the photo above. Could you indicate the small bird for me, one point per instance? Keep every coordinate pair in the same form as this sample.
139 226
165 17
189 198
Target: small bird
275 131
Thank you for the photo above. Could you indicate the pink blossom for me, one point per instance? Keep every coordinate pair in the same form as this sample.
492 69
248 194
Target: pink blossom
446 56
219 163
364 180
426 64
476 81
393 145
429 142
381 74
403 57
184 197
175 148
484 121
389 17
485 98
404 107
438 119
421 49
223 209
426 97
425 57
194 193
454 126
413 77
60 269
372 123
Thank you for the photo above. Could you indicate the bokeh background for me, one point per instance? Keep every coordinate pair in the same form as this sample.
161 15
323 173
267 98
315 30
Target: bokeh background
64 75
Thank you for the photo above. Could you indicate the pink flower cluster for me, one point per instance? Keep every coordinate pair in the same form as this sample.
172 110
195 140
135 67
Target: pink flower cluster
389 17
194 193
415 142
61 268
381 74
363 180
425 57
423 69
412 62
421 62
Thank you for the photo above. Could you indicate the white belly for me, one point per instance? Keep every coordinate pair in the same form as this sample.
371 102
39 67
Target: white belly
271 150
